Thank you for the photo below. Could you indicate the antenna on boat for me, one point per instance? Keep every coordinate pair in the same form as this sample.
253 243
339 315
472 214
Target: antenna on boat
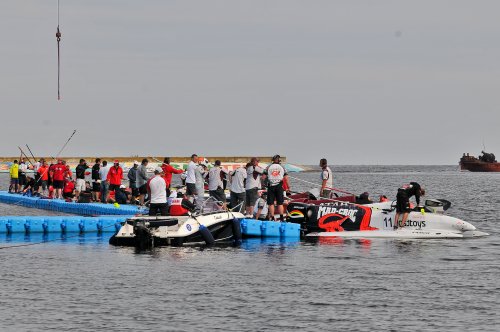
58 36
484 147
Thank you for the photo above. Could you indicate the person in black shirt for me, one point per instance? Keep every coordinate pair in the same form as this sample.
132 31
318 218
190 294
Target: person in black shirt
96 180
403 201
80 177
29 185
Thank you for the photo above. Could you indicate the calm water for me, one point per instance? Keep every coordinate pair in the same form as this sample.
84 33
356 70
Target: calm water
82 283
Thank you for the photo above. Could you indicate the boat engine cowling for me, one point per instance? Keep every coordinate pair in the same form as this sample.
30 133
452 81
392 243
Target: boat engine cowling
437 205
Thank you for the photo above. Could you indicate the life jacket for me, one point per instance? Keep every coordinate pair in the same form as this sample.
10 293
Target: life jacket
176 208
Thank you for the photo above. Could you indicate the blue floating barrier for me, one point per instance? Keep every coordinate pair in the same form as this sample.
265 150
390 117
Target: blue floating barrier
270 229
288 229
251 227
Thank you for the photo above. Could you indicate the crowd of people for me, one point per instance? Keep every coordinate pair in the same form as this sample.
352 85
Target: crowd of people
106 184
244 183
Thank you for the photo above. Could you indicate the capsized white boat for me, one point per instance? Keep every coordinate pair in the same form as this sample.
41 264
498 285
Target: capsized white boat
207 228
348 220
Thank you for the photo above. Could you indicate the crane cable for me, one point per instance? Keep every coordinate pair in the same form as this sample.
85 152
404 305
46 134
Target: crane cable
58 36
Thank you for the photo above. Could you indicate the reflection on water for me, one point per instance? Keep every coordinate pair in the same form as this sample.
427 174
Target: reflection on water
79 282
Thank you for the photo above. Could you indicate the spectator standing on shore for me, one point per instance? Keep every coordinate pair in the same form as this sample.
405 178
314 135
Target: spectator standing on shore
191 178
80 177
103 176
216 184
276 176
168 171
157 188
132 180
14 177
142 179
96 180
237 188
253 184
326 179
114 177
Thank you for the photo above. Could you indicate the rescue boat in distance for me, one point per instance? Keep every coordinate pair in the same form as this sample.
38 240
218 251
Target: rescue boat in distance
486 162
349 220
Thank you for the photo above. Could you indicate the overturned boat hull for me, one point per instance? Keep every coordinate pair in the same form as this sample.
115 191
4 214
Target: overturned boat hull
146 232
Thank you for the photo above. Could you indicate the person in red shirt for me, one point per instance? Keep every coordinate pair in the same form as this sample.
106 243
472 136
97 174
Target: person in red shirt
43 172
114 178
169 170
58 174
69 188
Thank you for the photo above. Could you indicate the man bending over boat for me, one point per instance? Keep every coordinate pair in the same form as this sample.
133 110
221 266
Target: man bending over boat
403 201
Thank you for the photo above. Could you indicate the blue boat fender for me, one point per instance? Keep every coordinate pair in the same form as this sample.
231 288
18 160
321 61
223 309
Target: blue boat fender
63 226
207 235
237 230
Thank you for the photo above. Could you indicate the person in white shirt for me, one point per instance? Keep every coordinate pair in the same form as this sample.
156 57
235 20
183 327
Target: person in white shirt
191 177
103 174
157 189
216 184
200 175
276 177
23 169
326 179
253 184
237 188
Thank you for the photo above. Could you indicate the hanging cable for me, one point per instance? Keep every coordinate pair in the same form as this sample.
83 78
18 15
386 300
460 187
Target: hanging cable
58 36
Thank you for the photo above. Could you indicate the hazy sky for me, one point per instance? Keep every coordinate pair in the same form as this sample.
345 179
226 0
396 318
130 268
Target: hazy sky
357 82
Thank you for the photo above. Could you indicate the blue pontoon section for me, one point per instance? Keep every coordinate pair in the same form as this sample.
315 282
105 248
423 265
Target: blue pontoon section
259 228
58 224
84 209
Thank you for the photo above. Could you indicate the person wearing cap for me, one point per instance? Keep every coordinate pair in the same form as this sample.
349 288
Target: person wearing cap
157 189
103 177
121 195
132 179
326 179
216 177
253 184
168 170
237 188
115 176
142 179
191 177
276 177
80 177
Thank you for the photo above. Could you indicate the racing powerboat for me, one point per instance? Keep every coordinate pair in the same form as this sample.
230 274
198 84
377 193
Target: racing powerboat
348 220
207 228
